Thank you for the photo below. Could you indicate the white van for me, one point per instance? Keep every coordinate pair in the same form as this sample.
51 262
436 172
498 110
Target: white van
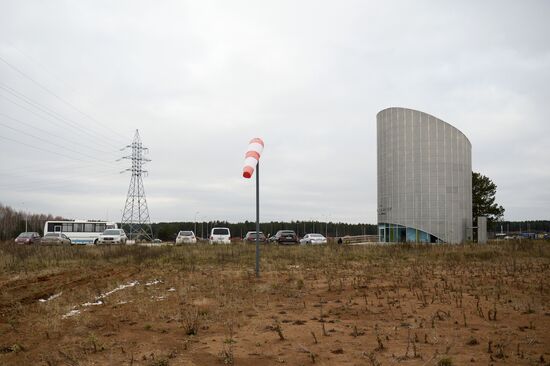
220 235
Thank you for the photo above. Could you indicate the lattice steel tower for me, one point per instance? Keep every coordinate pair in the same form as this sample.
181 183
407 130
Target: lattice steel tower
135 219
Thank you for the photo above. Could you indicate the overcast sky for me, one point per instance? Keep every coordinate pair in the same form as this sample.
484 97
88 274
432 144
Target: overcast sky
199 79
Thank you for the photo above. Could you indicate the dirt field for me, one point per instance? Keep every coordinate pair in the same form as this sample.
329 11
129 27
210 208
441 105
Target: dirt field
202 305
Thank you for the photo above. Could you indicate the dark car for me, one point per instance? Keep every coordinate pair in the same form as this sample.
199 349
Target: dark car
286 237
28 238
251 237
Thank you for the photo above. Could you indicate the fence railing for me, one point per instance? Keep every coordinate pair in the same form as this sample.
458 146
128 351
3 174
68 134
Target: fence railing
359 239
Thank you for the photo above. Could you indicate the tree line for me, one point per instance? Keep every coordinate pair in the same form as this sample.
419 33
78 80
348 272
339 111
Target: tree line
169 230
12 222
533 226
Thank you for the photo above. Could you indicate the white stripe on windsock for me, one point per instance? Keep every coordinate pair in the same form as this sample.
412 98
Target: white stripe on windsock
256 147
250 161
252 156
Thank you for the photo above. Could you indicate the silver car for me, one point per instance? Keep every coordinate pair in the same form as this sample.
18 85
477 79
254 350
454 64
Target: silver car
313 239
55 239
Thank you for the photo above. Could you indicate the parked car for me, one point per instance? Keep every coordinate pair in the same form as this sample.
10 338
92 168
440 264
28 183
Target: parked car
55 239
251 237
286 237
28 237
186 237
157 241
220 235
313 239
112 236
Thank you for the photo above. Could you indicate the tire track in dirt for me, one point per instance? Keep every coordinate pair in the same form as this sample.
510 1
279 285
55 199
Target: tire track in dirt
30 290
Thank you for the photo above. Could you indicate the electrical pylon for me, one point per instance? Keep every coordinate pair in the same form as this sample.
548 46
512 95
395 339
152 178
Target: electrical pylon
135 219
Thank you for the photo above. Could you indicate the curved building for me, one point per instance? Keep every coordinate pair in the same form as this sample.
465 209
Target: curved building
424 179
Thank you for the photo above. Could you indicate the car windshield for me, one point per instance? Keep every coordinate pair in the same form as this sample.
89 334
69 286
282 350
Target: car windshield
315 235
111 232
220 231
25 235
287 232
52 235
186 233
253 233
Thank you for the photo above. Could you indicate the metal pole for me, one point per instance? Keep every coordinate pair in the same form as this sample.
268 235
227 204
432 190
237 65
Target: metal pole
258 220
25 213
196 213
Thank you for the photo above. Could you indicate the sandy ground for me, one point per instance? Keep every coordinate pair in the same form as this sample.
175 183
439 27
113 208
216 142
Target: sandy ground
409 311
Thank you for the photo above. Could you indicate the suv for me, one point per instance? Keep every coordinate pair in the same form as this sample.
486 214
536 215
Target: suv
112 236
286 237
186 237
220 235
251 237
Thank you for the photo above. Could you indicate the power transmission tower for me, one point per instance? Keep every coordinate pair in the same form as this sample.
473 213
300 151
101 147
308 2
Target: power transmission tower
135 219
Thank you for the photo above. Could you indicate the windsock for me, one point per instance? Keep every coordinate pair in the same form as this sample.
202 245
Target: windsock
255 148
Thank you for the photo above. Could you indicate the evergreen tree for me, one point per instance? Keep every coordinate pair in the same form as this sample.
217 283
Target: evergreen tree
483 198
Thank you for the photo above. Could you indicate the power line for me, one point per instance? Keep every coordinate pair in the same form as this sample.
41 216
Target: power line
47 132
35 185
41 149
93 173
56 96
48 71
24 171
52 143
60 123
50 112
52 178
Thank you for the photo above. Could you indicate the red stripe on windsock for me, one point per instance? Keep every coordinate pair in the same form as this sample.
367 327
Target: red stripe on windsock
258 140
247 171
252 154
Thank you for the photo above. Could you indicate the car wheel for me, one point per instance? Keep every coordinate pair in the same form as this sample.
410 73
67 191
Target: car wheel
95 242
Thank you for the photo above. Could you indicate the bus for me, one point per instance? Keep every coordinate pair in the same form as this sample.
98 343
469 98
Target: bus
79 231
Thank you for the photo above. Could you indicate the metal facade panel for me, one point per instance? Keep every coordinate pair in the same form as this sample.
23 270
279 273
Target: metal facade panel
424 174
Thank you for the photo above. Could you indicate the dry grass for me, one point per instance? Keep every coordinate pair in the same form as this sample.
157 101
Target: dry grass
202 305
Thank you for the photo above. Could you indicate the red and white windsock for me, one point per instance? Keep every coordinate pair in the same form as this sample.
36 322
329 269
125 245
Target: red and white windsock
255 148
